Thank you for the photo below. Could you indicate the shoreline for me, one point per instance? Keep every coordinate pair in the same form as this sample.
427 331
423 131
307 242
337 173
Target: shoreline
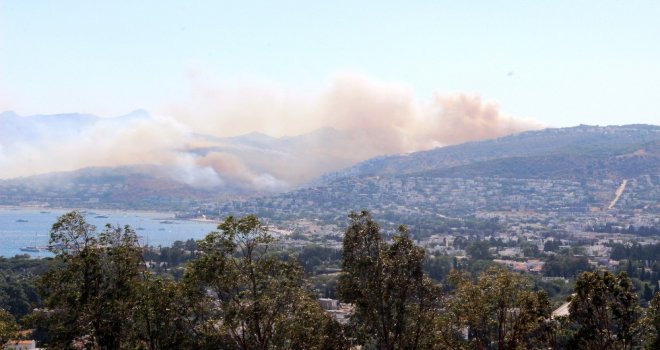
166 215
208 221
19 224
47 207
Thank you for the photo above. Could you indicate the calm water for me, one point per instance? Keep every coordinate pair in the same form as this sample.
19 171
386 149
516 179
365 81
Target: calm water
21 227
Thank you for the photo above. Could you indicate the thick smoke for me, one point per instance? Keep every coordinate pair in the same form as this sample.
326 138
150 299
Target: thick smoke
370 118
350 102
41 144
358 118
59 143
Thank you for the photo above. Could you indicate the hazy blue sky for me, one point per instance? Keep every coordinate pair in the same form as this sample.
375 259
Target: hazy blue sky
559 62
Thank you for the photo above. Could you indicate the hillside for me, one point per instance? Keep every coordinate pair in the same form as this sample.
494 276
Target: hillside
570 171
128 187
630 161
252 163
573 158
575 152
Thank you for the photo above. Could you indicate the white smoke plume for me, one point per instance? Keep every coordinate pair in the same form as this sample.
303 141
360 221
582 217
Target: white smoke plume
362 118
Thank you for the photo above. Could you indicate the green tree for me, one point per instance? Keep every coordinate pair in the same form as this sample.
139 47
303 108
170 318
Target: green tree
551 246
8 327
500 310
90 291
651 324
479 250
604 311
648 293
565 265
163 317
438 267
396 304
17 291
250 299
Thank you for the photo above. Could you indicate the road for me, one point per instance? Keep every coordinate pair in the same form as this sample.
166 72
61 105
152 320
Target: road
619 192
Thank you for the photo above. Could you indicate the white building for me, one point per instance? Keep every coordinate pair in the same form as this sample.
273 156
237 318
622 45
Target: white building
21 345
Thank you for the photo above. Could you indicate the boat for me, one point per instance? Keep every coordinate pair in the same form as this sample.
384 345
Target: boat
21 220
101 217
33 249
30 249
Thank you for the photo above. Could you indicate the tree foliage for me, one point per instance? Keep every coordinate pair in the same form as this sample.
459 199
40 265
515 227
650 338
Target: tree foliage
395 302
604 311
99 295
478 250
500 310
249 298
8 327
164 316
18 295
237 293
90 292
651 324
565 265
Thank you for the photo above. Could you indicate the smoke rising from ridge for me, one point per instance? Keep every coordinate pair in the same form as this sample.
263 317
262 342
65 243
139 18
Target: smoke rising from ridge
372 118
349 102
358 118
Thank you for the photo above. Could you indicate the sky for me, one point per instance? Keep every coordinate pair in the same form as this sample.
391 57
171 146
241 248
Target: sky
559 63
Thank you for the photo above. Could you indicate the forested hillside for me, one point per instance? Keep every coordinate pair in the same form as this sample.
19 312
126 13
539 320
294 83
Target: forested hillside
569 153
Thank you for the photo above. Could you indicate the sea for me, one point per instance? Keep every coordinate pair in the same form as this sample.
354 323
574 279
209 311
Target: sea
23 227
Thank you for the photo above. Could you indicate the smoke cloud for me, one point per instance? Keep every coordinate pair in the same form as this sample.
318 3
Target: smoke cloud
352 119
349 102
368 118
41 144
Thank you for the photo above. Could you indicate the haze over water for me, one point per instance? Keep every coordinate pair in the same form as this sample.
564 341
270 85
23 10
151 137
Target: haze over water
21 227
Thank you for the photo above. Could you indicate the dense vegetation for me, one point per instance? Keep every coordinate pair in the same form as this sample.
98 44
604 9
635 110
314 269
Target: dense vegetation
236 289
644 231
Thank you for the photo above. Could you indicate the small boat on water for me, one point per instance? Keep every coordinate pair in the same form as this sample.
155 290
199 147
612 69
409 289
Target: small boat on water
34 249
101 217
21 220
30 249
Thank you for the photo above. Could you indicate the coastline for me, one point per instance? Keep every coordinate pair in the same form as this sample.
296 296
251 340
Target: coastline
19 225
170 214
209 221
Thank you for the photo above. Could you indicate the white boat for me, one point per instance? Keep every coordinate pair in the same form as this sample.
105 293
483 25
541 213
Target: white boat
33 249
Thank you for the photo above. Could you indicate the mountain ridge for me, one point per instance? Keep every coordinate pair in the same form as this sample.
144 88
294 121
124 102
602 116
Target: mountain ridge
557 142
577 153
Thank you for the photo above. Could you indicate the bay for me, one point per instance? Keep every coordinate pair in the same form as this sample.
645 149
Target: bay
23 227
